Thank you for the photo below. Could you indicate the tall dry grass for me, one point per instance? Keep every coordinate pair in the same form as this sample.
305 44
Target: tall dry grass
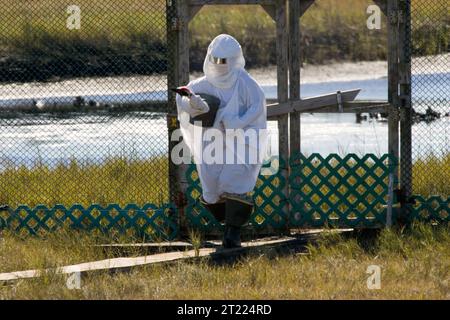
117 180
431 176
125 181
415 264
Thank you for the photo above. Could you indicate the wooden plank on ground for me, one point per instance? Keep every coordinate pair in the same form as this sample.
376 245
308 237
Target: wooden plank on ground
108 264
175 244
117 264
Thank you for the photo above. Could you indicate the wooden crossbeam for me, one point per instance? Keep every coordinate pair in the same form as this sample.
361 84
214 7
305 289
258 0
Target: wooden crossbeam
311 104
270 10
268 5
193 10
383 5
304 5
230 2
357 107
369 106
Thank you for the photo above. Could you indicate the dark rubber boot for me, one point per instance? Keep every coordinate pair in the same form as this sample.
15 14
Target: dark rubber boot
237 213
232 237
216 209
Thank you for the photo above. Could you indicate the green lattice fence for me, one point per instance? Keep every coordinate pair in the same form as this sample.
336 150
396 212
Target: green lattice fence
148 221
269 200
348 192
434 209
270 203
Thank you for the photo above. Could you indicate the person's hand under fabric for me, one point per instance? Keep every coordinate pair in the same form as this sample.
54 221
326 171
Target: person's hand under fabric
198 105
193 104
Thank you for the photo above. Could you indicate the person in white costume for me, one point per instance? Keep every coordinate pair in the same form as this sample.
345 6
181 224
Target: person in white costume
242 107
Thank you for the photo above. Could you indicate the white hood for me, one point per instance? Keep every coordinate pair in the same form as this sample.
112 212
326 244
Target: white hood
224 76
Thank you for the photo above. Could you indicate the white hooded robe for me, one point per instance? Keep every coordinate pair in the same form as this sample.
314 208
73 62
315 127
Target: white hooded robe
243 106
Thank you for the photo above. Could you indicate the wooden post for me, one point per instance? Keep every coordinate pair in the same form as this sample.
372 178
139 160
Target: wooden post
294 74
179 14
405 97
393 126
296 9
178 74
282 79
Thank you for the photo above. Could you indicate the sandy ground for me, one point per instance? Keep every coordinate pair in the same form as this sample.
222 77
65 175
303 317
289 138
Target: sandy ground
347 71
351 71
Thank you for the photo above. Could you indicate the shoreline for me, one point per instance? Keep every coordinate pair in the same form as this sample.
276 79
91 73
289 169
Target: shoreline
344 71
135 89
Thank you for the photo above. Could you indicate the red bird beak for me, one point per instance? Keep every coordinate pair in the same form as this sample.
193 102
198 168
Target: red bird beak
183 91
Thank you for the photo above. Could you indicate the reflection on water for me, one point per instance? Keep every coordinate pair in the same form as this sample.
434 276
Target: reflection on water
140 135
93 139
87 139
339 133
99 91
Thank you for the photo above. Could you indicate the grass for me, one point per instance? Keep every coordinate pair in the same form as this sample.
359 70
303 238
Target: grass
431 176
59 248
414 262
117 180
128 36
125 181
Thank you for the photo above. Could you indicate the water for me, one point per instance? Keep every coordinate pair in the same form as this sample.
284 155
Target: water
95 138
88 139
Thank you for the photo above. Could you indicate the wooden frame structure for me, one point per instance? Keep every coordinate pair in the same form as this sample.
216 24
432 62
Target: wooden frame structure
288 107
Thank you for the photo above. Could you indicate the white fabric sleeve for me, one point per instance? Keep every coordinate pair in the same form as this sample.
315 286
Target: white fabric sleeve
184 104
257 106
198 104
